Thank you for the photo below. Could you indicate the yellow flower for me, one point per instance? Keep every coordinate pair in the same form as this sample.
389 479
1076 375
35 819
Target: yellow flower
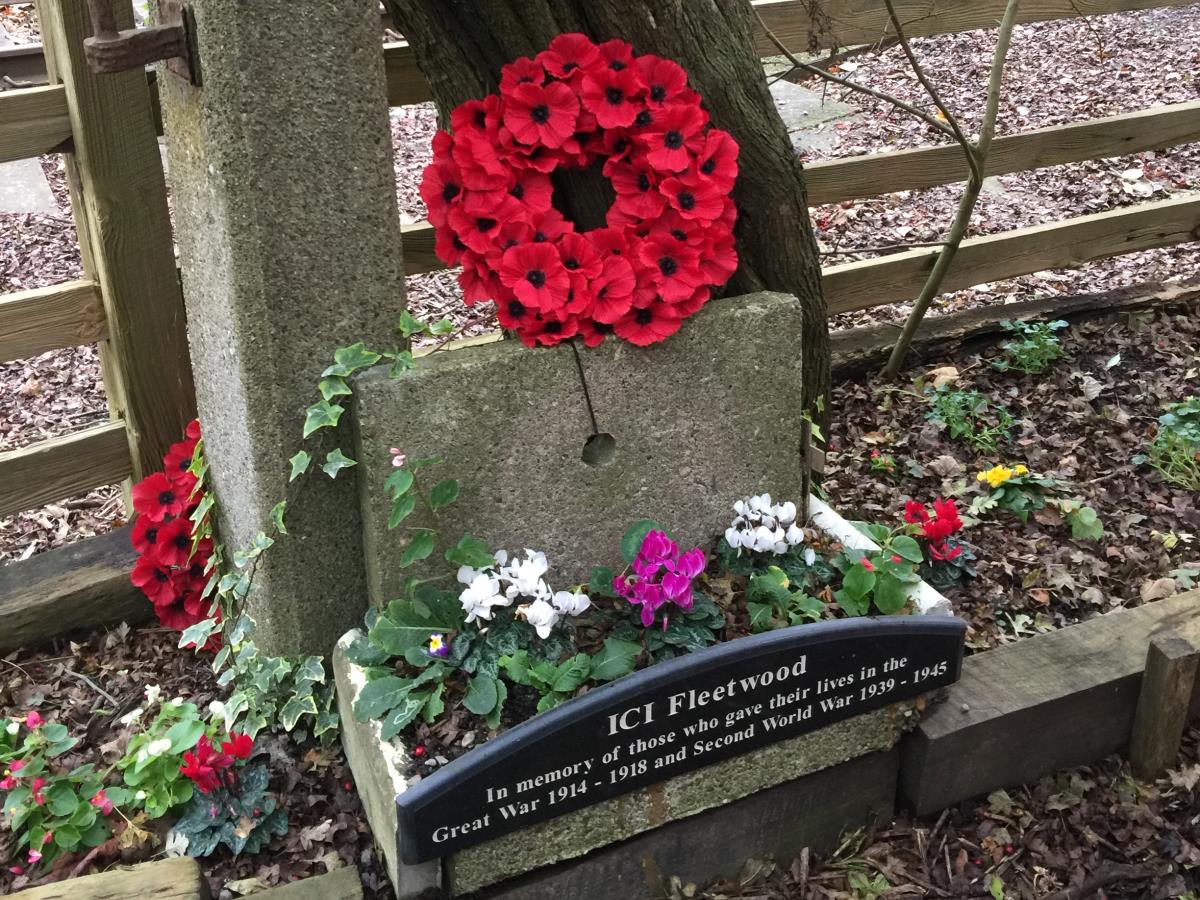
1021 470
997 475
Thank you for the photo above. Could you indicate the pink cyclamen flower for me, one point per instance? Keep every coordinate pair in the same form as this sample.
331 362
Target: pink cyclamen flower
102 803
33 719
34 857
47 837
867 564
7 783
16 870
398 458
36 787
16 766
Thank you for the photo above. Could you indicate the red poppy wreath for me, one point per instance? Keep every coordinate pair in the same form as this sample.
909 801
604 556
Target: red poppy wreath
668 237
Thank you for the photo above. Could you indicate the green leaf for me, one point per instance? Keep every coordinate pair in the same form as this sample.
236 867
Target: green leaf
294 709
320 415
277 516
631 541
61 799
420 547
890 593
402 363
572 673
348 360
482 695
403 625
760 616
380 695
551 700
399 482
616 659
335 461
184 735
440 327
877 533
471 552
493 718
54 732
405 711
907 548
803 606
333 387
1085 524
858 582
402 509
771 587
434 705
443 494
600 584
516 667
408 325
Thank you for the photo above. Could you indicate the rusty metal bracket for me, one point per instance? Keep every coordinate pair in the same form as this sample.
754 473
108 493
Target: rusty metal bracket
110 49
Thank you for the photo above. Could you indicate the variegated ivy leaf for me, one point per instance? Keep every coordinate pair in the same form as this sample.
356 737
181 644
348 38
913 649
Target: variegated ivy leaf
202 508
300 463
322 414
333 387
277 516
401 363
294 709
440 327
326 721
408 325
348 360
335 461
311 669
199 633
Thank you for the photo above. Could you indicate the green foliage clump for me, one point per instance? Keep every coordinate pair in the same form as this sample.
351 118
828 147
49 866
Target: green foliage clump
1033 347
970 417
1175 450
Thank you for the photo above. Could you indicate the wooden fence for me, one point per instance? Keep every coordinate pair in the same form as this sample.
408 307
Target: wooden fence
129 302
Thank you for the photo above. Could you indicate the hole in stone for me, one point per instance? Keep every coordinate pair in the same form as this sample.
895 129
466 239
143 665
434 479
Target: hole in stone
600 449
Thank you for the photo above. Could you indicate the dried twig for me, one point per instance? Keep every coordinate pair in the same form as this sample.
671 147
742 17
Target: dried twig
886 248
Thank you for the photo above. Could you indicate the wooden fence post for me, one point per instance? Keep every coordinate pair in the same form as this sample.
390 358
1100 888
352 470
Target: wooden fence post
1162 709
119 199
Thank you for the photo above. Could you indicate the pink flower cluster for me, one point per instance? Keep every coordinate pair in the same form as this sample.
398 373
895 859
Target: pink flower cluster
660 575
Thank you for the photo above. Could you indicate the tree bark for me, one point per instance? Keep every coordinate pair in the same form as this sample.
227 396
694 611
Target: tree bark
460 46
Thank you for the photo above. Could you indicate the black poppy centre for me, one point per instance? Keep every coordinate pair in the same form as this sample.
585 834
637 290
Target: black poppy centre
540 114
536 277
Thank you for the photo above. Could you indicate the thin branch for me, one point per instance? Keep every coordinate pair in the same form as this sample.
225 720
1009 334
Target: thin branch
951 120
886 248
970 196
851 85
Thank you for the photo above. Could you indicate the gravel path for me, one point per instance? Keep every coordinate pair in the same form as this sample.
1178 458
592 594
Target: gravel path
1058 72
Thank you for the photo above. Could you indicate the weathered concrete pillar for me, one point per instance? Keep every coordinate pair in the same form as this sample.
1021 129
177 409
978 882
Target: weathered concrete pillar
283 188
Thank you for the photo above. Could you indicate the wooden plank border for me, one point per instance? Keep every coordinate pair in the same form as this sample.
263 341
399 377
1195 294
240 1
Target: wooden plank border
63 315
836 23
63 466
836 180
33 121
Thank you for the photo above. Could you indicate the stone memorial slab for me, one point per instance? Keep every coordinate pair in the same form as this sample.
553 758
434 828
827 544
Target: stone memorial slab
711 415
673 718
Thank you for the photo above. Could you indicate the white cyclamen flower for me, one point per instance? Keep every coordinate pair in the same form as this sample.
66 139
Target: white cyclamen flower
795 535
152 693
12 727
810 556
480 596
525 575
217 709
569 603
178 701
541 615
132 716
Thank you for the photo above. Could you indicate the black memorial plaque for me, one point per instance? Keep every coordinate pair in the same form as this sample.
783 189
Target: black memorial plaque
671 718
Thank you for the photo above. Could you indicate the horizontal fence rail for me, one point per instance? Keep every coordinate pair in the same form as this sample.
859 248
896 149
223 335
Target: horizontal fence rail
64 466
50 318
33 121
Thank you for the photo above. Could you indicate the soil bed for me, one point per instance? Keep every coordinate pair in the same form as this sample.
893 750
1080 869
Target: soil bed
326 825
1082 420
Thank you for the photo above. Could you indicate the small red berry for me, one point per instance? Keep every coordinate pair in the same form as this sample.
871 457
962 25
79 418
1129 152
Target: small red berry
896 558
1008 848
347 785
419 751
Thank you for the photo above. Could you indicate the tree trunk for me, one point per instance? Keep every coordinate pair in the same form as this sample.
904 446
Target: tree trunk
461 45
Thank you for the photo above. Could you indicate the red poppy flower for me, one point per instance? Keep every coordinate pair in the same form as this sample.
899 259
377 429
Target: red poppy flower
569 55
550 226
478 282
665 79
173 546
193 430
156 497
668 140
637 191
144 535
478 117
592 332
448 246
612 290
178 461
648 326
533 190
541 115
718 159
519 72
674 267
609 241
240 747
616 55
536 275
479 162
579 257
693 197
513 314
441 185
537 157
154 580
549 331
720 260
692 304
477 219
613 96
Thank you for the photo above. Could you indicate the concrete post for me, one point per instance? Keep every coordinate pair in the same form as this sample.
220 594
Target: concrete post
283 188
